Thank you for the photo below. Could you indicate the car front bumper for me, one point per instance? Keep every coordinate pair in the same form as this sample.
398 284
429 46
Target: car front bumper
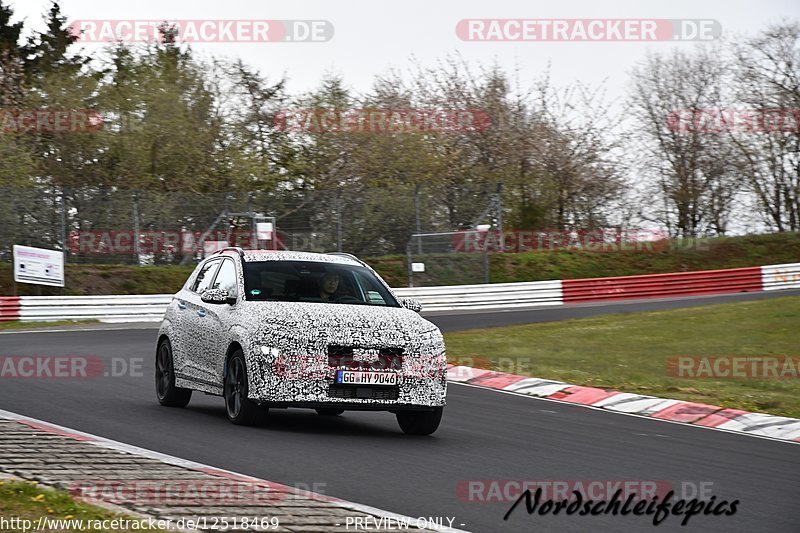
309 382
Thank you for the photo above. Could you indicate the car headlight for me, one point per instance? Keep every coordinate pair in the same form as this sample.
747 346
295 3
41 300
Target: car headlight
270 351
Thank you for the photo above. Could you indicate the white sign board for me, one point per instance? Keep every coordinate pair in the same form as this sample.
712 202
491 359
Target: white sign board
187 242
209 247
417 267
264 231
38 266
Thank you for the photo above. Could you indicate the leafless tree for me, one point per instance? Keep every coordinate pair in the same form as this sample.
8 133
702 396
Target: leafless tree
694 180
768 83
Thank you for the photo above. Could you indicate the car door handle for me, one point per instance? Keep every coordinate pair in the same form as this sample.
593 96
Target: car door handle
201 312
181 305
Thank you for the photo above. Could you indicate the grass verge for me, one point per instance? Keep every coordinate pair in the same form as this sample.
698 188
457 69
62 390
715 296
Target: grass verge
27 500
17 324
629 352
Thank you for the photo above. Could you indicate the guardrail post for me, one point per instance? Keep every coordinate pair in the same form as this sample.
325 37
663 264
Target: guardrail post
485 262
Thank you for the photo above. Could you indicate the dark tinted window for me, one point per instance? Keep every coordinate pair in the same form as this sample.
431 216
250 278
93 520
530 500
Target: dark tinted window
310 281
205 276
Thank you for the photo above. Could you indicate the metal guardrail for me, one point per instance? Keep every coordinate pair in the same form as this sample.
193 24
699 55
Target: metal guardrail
122 308
9 308
776 277
150 308
147 308
486 296
660 285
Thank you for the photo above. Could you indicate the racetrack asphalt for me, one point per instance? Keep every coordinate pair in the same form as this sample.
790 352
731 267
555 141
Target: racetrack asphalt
485 435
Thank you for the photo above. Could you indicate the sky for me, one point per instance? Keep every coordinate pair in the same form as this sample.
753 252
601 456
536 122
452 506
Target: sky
372 37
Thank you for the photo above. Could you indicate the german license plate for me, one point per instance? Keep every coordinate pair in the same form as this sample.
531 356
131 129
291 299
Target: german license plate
358 377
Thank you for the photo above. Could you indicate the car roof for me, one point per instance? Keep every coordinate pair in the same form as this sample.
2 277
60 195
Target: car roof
252 256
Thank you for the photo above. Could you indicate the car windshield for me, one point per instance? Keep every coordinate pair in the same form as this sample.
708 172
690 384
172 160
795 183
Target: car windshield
310 281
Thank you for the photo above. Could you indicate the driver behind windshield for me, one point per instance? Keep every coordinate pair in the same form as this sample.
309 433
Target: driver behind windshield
328 285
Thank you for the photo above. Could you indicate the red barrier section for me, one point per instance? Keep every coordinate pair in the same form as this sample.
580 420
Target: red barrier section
663 285
9 308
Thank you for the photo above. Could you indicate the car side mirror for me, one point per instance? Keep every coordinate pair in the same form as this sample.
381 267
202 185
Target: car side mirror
411 303
217 296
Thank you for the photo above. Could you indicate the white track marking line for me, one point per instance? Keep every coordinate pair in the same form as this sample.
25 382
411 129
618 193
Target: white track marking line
149 326
683 424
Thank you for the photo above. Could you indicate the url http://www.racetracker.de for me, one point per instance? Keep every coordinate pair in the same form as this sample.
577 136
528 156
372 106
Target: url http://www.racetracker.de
205 523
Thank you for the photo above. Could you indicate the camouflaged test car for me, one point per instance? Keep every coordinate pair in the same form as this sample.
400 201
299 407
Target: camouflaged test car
269 330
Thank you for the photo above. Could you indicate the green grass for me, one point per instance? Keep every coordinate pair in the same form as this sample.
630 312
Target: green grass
675 256
16 324
679 256
629 352
85 279
28 500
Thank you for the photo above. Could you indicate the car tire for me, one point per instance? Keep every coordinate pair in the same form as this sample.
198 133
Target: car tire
240 410
166 391
329 411
420 422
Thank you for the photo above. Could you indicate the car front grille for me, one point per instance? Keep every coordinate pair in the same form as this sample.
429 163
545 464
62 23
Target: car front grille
334 350
366 393
353 358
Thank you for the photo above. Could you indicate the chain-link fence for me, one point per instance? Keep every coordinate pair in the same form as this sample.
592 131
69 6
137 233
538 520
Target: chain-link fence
447 258
104 225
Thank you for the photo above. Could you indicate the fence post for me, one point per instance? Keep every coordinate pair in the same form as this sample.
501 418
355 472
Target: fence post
136 226
408 263
64 223
339 220
419 226
485 262
499 208
63 235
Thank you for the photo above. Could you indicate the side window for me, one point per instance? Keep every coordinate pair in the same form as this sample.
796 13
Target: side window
190 280
205 276
370 289
226 278
375 298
